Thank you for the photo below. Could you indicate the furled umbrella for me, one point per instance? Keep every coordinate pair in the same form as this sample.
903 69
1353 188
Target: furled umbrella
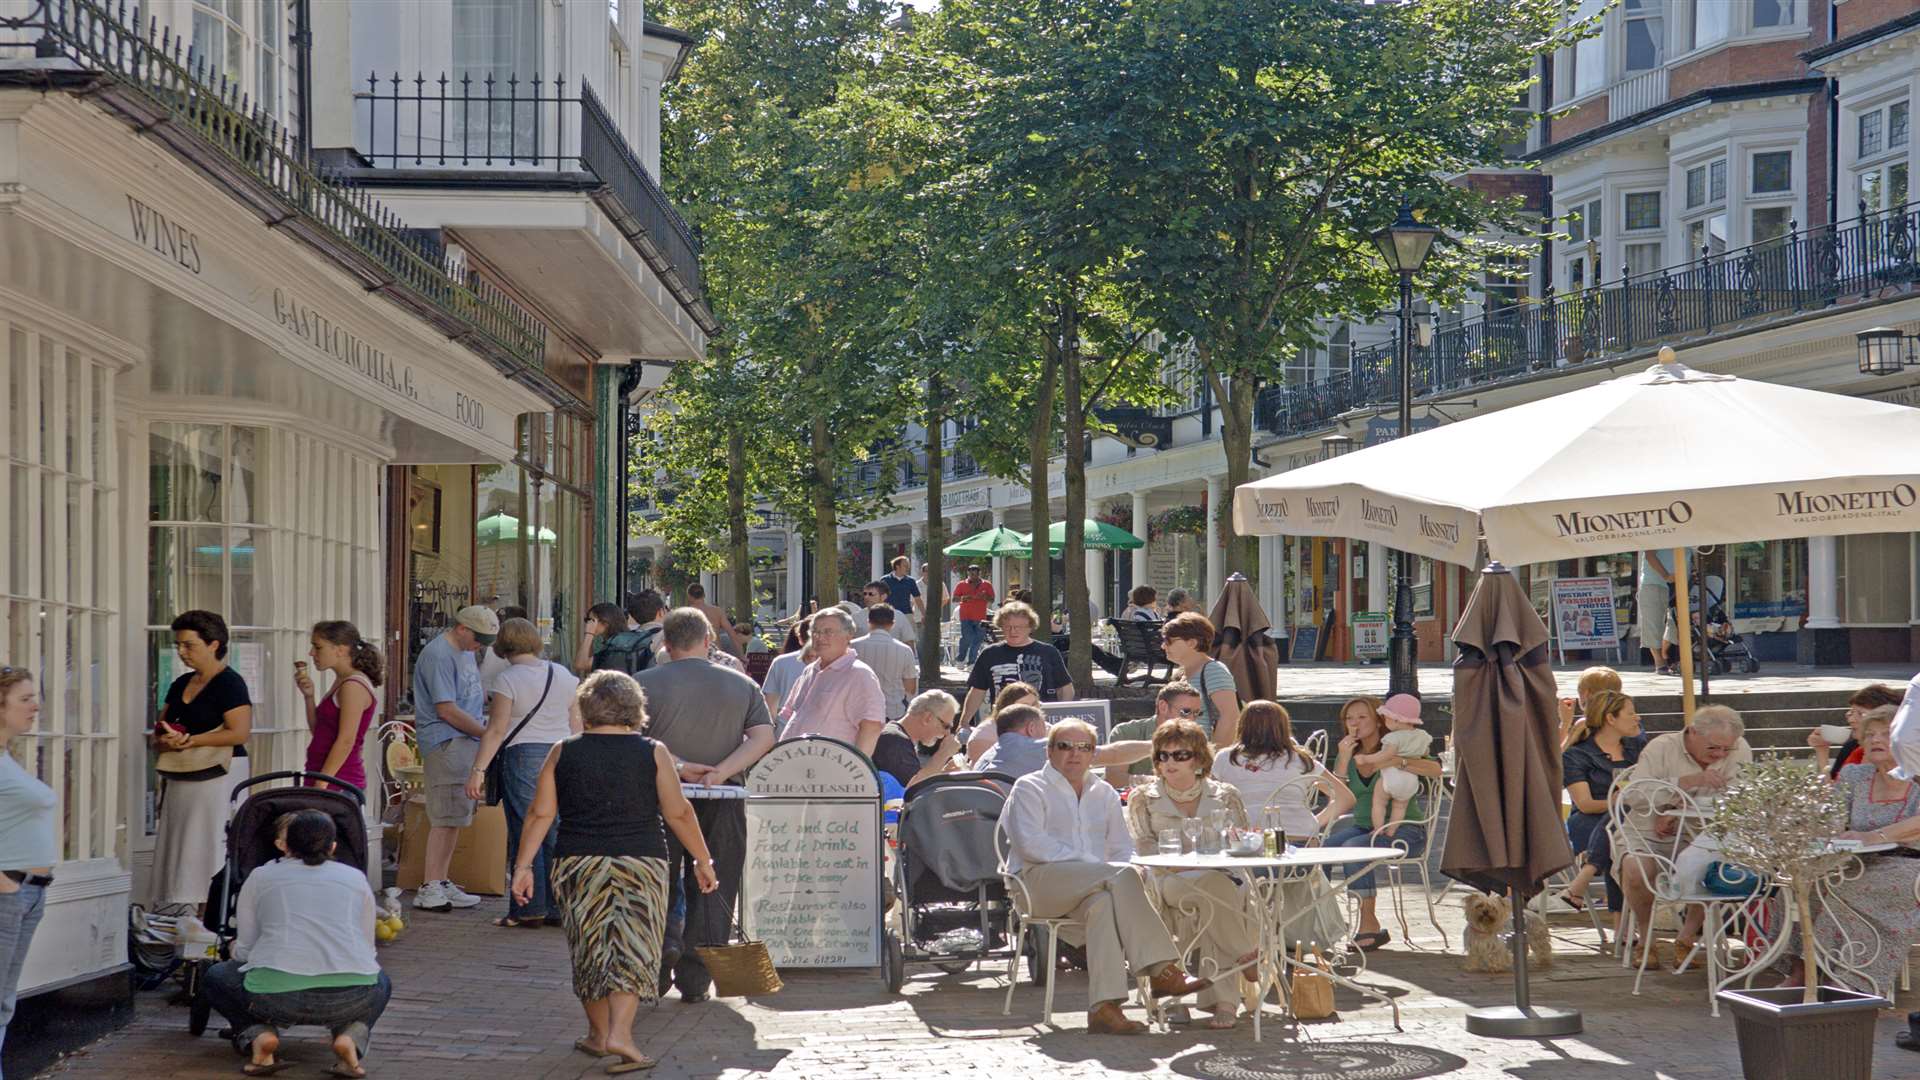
1505 836
1241 640
997 542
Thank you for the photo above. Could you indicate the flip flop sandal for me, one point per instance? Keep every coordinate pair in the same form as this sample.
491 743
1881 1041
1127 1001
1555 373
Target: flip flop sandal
340 1069
627 1065
581 1044
280 1065
508 922
1371 941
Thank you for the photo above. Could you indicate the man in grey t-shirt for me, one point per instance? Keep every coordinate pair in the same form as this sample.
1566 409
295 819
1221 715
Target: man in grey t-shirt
715 723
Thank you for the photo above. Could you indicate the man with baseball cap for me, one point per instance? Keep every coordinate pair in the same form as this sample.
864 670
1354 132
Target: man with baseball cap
449 709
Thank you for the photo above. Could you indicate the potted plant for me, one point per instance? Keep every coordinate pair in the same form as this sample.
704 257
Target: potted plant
1778 818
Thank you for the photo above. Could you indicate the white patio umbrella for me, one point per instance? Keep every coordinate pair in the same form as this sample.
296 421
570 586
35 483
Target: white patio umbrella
1665 458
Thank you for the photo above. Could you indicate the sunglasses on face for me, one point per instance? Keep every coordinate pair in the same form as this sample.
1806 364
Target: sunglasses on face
1073 747
1174 755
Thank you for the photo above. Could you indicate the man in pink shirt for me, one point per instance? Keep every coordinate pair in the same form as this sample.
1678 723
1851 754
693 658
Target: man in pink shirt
837 695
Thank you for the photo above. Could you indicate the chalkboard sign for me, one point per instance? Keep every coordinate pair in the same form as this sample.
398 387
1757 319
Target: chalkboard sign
811 889
1306 639
1095 711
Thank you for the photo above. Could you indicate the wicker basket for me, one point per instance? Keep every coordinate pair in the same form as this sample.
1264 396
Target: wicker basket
740 970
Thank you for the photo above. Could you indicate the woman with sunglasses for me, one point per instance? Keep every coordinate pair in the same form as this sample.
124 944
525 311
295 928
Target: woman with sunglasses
28 849
1204 906
929 722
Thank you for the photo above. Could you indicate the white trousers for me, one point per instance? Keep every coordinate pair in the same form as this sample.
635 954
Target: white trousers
1122 931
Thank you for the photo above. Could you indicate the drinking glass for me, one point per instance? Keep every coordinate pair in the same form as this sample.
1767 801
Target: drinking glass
1190 835
1169 841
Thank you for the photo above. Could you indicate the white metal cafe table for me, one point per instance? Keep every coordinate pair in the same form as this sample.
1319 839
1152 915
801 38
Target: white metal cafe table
1263 892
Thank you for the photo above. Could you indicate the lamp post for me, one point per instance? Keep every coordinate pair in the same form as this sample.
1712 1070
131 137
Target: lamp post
1404 245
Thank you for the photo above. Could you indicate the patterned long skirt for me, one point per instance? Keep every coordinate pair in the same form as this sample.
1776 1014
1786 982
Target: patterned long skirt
615 911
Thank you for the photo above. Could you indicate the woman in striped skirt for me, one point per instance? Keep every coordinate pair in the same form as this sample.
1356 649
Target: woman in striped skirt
612 787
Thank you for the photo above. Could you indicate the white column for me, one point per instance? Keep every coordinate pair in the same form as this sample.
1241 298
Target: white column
1273 580
999 571
919 531
1140 530
1378 557
796 555
1216 563
1823 583
1096 578
879 541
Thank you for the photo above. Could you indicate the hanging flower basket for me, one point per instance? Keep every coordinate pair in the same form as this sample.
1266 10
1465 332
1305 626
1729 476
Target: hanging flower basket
1178 521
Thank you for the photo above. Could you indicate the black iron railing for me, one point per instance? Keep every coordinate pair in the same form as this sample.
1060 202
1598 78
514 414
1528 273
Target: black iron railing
1792 275
154 78
533 123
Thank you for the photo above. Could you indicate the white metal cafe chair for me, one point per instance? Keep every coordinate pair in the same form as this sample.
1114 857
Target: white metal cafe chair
1020 921
1316 744
1434 799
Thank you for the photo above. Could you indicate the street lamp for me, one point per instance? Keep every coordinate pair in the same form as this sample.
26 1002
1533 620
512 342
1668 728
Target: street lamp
1404 245
1884 350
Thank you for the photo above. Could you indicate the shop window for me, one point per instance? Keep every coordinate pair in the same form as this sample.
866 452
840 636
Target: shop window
1875 577
59 577
1770 579
1422 587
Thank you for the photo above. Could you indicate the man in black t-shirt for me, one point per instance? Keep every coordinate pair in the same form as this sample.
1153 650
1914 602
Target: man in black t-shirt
901 750
1019 658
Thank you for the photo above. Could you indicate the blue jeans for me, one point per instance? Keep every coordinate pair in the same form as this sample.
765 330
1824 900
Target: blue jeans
522 764
973 637
342 1010
20 913
1411 834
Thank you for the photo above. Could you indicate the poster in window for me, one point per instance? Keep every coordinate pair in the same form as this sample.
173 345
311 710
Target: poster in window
423 516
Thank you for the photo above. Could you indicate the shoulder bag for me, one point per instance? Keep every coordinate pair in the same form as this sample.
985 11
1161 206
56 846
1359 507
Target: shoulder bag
496 774
194 759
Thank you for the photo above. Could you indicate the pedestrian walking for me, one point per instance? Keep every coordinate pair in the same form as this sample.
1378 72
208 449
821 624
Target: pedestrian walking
492 663
204 723
28 848
610 874
608 644
529 710
716 616
903 593
972 597
894 663
715 723
339 721
1018 658
448 722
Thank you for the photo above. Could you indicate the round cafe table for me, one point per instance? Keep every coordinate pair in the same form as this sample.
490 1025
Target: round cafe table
1264 908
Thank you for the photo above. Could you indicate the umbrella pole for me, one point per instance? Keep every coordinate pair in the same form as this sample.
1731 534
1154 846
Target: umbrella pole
1522 1020
1683 607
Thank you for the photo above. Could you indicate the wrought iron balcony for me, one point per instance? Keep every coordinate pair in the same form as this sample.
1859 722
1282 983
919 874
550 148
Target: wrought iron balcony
1718 293
531 125
155 80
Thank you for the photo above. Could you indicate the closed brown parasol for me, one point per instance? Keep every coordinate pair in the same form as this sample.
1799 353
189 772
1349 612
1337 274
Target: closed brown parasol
1241 640
1505 835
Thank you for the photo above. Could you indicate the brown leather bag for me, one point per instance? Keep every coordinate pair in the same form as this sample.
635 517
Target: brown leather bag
1312 990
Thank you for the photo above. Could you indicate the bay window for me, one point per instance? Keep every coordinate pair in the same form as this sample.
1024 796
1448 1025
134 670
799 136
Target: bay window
1640 225
1706 194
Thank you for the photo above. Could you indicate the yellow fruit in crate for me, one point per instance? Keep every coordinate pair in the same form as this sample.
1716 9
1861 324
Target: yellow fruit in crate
383 931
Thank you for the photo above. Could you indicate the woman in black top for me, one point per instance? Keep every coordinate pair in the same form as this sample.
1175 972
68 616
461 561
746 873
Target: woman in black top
1606 742
203 725
611 788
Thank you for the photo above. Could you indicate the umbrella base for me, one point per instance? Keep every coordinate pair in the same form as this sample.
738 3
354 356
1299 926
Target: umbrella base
1513 1022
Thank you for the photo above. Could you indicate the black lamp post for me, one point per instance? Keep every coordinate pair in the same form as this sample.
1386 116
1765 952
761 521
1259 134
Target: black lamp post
1404 245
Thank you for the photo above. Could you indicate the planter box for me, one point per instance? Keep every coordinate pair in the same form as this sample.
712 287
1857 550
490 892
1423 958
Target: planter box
1783 1039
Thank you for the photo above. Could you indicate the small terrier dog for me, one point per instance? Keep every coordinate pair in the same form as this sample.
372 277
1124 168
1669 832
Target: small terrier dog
1489 949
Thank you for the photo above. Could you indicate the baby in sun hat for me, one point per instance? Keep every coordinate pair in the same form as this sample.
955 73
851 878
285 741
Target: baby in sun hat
1400 714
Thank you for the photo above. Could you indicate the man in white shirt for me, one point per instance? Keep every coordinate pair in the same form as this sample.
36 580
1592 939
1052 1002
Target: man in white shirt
1070 848
895 663
1904 739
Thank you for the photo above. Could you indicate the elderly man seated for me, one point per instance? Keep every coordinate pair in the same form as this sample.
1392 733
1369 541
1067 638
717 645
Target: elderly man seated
1700 761
1072 852
1021 746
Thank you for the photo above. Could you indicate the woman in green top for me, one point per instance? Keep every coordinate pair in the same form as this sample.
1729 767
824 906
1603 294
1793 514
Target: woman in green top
1360 719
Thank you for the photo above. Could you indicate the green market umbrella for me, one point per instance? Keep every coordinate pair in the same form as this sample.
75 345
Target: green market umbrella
1099 536
502 526
998 541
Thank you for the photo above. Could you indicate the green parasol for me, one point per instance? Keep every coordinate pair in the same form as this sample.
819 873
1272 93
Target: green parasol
502 526
998 541
1099 535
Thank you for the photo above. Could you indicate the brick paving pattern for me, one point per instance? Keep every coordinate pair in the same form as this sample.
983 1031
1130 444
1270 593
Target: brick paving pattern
473 1002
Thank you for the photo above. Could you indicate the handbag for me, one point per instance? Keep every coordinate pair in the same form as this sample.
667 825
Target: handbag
741 969
1733 880
1312 989
495 780
194 759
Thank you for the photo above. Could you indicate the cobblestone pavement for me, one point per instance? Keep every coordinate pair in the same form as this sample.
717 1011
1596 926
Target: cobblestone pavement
477 1003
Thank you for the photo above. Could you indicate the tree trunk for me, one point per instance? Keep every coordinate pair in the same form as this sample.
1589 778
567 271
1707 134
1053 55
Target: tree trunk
1073 552
826 531
737 555
1236 441
936 533
1039 457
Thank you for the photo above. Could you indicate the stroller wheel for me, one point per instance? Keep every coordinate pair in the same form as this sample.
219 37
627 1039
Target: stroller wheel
893 962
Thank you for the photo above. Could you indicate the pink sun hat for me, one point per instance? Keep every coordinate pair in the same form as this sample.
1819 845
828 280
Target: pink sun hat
1403 707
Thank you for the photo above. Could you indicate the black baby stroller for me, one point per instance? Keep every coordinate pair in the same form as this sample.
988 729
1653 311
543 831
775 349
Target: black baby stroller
250 836
952 904
1726 650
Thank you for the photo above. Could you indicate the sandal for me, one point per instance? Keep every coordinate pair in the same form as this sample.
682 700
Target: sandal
1223 1022
510 923
581 1044
1372 940
346 1071
278 1065
627 1065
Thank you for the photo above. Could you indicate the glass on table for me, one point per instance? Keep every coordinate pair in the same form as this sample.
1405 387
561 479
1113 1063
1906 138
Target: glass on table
1169 841
1190 835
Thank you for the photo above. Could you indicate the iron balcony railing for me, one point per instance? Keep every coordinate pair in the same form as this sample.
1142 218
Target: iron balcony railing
155 79
531 124
1795 274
